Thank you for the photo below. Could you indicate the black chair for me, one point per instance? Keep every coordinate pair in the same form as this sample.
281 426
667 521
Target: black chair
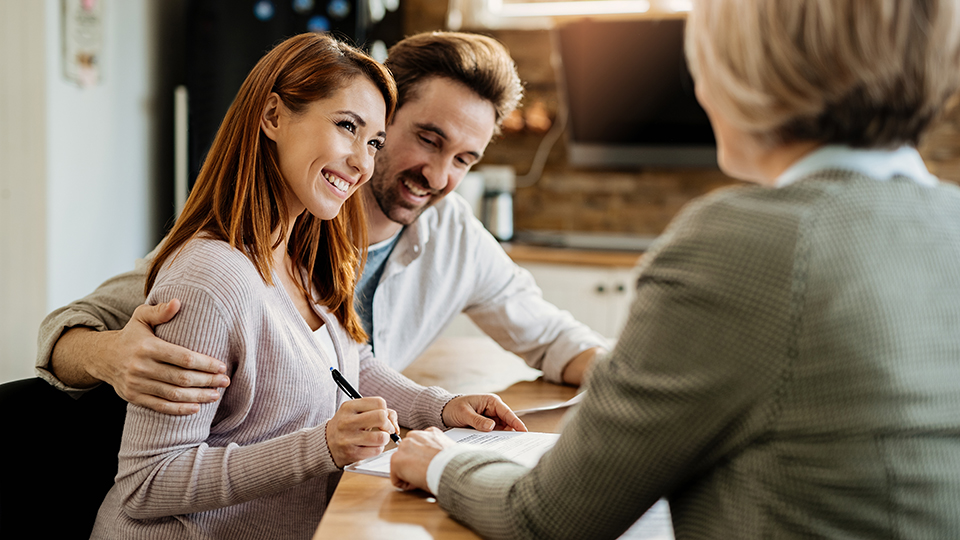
59 457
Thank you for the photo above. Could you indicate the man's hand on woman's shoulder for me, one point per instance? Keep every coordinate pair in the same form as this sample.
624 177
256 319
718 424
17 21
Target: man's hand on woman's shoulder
143 369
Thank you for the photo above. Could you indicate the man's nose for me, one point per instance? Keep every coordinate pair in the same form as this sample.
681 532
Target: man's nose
437 173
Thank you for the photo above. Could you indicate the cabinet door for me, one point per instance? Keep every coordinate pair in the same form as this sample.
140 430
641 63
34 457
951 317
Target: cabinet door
623 289
584 291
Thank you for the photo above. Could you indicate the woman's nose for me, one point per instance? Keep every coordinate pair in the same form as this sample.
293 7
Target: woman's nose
361 159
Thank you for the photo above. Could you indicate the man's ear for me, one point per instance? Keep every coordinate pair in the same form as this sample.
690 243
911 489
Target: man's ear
270 117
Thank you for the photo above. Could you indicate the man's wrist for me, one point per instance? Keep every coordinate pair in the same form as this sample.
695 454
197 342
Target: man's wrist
575 369
69 362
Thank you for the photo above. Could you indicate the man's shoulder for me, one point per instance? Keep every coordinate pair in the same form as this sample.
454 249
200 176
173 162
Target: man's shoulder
452 210
450 236
451 222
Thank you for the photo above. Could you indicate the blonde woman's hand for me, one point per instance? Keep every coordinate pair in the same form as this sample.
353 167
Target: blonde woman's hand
409 464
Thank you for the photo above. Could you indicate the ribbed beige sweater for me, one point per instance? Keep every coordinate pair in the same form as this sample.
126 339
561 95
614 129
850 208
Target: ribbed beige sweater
254 464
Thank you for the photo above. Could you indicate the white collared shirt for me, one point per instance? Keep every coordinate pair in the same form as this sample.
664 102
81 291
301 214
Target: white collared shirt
445 263
878 164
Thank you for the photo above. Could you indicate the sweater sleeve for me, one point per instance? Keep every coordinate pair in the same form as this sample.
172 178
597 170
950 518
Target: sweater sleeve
693 378
109 307
167 466
418 407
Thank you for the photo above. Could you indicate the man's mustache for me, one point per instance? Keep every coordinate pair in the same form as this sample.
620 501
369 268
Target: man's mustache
418 180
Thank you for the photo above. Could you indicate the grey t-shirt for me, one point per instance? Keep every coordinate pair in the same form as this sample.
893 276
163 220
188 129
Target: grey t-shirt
377 256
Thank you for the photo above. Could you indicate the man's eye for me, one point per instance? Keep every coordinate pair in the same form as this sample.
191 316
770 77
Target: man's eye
348 125
428 141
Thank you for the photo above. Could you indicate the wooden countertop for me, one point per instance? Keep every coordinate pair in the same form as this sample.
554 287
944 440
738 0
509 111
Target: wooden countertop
522 253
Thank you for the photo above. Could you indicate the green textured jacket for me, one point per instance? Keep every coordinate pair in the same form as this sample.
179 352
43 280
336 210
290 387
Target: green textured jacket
790 369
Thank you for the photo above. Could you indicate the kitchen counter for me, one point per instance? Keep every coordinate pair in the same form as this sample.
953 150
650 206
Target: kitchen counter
525 253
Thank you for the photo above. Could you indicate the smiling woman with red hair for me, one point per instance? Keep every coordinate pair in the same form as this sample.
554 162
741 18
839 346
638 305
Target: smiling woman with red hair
790 365
264 258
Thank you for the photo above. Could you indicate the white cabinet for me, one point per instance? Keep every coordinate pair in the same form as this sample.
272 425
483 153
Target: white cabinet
598 296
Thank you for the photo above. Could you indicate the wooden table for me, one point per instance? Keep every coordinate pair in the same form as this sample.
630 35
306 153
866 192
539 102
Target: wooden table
366 506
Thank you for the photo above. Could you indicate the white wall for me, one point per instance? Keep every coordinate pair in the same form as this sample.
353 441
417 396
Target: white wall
98 171
81 204
22 184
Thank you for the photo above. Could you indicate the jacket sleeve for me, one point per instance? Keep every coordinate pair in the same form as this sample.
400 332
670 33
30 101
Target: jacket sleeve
510 308
418 407
166 467
109 307
694 377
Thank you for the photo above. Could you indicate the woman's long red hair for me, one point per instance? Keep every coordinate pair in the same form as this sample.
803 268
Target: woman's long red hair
239 194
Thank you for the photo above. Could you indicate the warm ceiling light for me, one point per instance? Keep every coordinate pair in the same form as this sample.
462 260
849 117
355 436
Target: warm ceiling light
573 8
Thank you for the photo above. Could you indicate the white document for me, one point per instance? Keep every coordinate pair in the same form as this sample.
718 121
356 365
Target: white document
655 524
525 448
568 403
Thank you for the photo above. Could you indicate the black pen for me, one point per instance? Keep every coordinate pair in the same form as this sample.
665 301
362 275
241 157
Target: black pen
348 390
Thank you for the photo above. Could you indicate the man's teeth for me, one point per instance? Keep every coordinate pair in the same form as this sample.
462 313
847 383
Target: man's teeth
415 190
337 182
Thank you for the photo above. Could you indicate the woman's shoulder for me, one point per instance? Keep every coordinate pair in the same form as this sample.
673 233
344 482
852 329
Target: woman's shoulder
744 214
210 264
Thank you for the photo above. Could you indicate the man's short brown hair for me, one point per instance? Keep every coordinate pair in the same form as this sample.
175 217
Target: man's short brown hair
866 73
481 63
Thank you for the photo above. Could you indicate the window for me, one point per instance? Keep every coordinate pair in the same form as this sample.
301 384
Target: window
543 13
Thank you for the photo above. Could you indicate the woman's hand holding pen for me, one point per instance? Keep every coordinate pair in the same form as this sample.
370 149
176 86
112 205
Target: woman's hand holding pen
360 429
483 412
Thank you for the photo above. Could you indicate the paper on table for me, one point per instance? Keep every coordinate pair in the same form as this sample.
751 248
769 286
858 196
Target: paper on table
655 524
525 448
568 403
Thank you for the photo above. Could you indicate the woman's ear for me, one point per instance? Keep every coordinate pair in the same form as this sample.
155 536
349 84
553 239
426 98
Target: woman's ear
270 117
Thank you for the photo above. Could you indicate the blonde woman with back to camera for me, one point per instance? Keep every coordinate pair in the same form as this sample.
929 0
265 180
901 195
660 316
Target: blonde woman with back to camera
790 365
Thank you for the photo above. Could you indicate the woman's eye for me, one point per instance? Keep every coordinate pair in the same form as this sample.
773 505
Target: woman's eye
348 125
377 144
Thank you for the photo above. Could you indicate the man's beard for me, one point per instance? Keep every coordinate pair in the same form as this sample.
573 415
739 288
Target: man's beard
392 203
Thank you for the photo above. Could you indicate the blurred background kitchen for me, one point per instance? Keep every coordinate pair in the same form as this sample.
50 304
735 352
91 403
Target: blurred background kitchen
107 108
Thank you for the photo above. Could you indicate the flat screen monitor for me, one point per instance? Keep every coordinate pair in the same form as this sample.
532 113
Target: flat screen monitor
630 97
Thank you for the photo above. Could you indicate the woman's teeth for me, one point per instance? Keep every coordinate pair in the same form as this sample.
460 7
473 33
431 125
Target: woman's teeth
415 190
337 182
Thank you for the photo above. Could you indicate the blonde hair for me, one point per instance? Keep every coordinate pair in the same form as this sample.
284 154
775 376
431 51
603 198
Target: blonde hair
867 73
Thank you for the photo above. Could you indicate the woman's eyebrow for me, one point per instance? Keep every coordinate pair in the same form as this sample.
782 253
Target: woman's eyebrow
356 117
